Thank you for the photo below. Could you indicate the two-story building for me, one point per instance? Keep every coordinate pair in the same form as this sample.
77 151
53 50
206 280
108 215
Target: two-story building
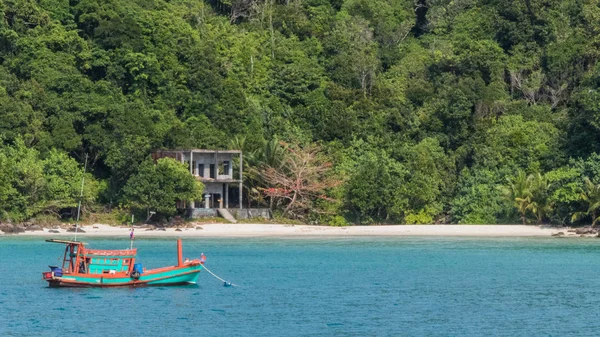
214 168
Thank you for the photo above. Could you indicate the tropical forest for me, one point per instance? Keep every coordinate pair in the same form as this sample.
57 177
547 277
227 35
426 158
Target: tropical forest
346 111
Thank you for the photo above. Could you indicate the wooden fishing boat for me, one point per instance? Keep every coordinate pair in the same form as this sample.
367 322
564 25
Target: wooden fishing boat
84 267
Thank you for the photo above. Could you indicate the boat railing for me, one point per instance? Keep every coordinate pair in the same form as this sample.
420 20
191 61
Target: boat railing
104 252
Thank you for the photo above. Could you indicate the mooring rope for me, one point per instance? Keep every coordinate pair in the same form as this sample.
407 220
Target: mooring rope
225 283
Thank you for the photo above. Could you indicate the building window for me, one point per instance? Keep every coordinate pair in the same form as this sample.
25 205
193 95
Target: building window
201 170
212 171
194 167
226 167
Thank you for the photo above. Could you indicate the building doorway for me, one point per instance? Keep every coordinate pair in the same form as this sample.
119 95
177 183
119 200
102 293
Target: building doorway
214 200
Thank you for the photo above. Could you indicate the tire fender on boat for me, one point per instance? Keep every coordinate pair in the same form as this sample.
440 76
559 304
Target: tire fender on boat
135 275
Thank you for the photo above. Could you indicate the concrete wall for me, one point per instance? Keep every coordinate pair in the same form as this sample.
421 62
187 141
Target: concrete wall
209 158
210 187
248 213
196 213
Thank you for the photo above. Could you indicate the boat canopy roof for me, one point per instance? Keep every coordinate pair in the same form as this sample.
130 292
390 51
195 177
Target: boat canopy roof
123 253
118 253
68 242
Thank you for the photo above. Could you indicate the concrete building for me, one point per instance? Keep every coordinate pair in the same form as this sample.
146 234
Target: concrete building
214 168
222 186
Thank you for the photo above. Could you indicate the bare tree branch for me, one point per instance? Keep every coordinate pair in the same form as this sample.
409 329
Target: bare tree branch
302 179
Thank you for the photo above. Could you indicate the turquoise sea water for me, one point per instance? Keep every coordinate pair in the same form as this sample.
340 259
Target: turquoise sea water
320 287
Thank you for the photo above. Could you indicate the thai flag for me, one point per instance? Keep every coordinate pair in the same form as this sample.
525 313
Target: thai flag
131 234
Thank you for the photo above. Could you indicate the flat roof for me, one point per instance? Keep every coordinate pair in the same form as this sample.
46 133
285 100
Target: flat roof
200 151
214 180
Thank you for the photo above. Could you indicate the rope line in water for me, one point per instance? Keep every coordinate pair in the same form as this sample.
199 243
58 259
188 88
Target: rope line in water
225 283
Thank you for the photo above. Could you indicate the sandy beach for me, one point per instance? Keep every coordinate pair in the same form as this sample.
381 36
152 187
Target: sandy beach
275 230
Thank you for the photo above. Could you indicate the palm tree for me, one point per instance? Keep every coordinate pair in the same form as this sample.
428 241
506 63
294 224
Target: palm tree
273 154
529 193
591 196
249 158
518 192
270 154
539 203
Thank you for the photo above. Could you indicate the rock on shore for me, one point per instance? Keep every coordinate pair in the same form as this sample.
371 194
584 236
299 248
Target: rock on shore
9 228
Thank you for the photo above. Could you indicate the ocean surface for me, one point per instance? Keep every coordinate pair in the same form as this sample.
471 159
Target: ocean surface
416 286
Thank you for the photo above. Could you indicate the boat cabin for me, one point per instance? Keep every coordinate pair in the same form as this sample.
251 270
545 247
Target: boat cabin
79 260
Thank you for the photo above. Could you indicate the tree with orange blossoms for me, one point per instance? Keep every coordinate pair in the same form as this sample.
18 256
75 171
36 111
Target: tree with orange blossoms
303 178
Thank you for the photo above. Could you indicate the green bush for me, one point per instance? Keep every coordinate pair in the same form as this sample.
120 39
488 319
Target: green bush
116 217
46 220
420 218
338 221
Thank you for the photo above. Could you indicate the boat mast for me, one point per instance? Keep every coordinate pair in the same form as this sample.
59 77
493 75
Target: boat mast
80 196
131 235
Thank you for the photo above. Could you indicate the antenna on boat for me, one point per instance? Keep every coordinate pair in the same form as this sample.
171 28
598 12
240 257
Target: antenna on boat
131 235
80 196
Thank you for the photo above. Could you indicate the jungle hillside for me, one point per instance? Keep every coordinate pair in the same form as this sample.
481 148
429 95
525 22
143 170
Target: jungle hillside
347 111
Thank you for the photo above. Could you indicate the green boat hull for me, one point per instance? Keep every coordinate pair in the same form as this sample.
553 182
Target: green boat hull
173 276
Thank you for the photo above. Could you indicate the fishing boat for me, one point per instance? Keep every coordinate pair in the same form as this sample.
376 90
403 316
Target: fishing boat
84 267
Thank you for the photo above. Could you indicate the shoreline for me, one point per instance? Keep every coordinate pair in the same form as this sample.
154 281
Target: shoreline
280 230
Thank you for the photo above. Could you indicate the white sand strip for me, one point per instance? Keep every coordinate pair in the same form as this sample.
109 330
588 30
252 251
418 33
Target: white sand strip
273 230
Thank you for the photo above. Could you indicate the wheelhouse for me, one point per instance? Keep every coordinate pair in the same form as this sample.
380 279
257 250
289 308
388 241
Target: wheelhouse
79 260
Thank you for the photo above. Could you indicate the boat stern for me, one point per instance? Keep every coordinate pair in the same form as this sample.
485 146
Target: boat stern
52 274
52 279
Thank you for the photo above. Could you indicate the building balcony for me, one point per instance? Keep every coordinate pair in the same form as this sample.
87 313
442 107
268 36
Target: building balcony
222 179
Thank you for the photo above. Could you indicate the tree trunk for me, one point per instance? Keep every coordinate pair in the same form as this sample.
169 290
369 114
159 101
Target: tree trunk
290 205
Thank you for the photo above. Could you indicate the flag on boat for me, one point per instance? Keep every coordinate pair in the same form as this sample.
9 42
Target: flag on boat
131 234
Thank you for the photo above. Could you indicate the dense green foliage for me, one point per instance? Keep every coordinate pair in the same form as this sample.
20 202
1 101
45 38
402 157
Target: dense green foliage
31 185
429 110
